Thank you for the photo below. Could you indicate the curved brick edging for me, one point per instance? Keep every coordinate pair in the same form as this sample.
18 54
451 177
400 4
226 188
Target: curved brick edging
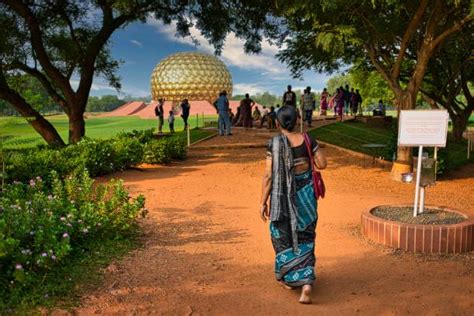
429 239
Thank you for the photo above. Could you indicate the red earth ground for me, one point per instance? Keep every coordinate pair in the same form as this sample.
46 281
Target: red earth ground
206 251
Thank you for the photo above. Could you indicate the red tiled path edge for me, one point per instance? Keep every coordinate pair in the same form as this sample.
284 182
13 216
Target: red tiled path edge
428 239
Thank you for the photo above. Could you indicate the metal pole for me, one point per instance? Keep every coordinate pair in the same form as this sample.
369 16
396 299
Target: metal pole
422 200
197 120
203 122
189 135
436 161
301 120
417 188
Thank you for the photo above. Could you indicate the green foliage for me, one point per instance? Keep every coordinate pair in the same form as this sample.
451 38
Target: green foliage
42 226
98 157
164 150
371 85
104 103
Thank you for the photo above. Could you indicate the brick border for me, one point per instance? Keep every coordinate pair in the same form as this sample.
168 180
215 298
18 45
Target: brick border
427 239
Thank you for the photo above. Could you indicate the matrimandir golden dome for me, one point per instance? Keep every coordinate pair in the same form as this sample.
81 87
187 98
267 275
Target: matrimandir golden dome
190 75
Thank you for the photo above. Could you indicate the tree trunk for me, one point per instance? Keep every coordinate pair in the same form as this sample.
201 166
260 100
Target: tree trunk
404 162
459 125
77 127
38 122
47 131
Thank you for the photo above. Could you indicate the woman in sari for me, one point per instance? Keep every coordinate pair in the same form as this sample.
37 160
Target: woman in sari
293 207
323 103
339 100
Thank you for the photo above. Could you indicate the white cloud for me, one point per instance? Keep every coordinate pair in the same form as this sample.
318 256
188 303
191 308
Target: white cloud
136 43
232 54
243 88
99 88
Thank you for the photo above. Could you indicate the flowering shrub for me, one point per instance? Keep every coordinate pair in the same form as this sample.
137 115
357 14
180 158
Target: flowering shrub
41 226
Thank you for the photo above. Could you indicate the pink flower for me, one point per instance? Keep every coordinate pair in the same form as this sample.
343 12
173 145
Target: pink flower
32 182
65 235
19 266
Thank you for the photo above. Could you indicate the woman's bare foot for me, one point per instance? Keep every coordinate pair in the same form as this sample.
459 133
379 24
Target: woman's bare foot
306 291
285 286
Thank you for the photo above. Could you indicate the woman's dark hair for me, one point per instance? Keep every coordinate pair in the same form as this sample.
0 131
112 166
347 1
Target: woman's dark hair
287 117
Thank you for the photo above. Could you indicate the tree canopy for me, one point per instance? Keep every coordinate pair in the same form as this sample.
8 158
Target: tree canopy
59 41
395 38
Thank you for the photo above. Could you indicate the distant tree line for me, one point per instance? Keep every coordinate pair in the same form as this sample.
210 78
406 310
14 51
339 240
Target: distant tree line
35 94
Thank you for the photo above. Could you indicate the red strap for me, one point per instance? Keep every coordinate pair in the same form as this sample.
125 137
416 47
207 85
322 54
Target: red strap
307 141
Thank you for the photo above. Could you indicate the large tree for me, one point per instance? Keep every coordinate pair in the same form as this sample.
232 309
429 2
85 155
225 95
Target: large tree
59 42
392 37
449 79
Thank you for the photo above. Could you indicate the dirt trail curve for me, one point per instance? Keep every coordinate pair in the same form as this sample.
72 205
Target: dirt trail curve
206 252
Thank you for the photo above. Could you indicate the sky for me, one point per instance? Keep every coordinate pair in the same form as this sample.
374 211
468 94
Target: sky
141 46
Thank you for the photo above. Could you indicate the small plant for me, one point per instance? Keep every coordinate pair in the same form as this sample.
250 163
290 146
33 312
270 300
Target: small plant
41 226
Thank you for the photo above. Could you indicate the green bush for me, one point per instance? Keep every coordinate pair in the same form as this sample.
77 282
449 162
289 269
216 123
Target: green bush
162 151
177 147
41 226
144 136
99 157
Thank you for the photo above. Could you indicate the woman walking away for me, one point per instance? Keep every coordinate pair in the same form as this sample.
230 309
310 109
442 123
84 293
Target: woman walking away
293 206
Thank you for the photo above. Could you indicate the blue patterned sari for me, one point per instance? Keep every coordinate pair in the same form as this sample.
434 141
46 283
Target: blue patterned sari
296 267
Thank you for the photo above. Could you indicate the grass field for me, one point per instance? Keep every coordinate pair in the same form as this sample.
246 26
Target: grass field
352 135
17 133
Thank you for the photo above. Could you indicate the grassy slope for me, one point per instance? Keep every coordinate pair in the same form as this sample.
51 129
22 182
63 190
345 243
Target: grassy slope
352 135
18 133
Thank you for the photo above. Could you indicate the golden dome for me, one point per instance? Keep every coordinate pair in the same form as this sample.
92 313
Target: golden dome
190 75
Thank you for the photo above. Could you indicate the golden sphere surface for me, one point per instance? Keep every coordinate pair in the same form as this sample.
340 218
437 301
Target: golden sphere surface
190 75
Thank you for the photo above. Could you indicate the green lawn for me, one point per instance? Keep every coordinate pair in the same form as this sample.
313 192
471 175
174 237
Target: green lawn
352 135
17 133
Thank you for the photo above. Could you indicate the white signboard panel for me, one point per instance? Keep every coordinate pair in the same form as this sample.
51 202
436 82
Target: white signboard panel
423 128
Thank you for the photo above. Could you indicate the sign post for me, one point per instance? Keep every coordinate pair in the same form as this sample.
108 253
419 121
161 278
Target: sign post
422 128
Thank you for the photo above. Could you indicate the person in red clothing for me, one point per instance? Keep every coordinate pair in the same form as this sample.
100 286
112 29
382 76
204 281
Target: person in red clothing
246 111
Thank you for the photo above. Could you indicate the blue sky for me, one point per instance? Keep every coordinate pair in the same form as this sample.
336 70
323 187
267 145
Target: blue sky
142 46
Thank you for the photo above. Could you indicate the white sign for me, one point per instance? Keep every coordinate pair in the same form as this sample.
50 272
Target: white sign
423 128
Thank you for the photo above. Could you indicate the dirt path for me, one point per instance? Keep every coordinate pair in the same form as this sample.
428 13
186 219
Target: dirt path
206 252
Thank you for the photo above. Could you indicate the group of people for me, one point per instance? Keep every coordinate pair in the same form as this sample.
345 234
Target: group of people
343 101
246 115
160 114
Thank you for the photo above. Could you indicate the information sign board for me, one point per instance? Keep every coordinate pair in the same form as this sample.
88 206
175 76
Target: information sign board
423 128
